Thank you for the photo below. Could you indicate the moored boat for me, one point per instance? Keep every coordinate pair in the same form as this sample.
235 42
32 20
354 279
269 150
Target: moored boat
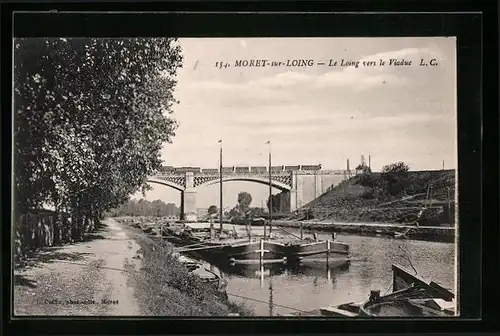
208 276
241 251
317 252
411 296
350 309
180 237
261 251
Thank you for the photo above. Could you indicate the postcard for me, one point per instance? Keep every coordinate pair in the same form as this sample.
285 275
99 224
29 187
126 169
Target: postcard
235 177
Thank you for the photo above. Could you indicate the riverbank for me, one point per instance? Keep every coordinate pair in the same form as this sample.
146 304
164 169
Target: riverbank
166 288
426 197
437 233
430 233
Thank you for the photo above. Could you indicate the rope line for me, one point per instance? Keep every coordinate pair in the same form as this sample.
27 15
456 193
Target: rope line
267 303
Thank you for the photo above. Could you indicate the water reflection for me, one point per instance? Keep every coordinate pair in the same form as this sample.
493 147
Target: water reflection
251 270
262 271
271 301
319 272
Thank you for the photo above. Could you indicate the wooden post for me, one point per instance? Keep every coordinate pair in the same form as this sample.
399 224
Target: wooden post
211 228
449 204
328 252
430 196
261 251
220 189
249 226
301 230
270 193
234 232
261 275
271 301
161 234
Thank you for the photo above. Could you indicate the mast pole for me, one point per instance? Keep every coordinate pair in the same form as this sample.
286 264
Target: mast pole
220 187
270 193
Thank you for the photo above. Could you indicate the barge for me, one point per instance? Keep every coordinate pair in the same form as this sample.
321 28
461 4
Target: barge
412 296
306 252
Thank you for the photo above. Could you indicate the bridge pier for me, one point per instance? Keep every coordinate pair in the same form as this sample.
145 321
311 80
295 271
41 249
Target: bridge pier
189 209
188 205
293 200
293 193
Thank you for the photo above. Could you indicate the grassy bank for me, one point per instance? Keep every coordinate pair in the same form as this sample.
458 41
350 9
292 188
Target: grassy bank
164 287
373 198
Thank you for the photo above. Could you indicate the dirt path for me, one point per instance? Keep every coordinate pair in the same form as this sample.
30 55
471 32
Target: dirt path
86 278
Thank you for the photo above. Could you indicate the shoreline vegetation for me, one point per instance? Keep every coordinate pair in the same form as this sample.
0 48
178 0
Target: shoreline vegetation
164 287
394 196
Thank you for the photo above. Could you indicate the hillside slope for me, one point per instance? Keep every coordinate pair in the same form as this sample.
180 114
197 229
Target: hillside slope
365 198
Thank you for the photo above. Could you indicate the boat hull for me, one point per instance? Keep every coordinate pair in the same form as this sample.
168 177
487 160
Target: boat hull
411 296
390 306
320 252
249 252
256 252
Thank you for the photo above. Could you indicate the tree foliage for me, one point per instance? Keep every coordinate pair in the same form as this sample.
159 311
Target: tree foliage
276 203
144 207
91 116
212 209
396 168
363 168
281 202
244 200
395 177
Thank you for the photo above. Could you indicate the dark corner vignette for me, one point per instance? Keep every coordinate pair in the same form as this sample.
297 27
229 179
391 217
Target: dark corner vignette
206 268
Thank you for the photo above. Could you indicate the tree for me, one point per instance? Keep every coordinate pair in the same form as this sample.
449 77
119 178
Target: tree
91 116
363 168
145 208
244 200
212 209
395 176
396 168
276 203
172 210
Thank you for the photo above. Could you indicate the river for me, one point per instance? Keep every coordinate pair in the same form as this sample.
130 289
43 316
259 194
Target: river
284 291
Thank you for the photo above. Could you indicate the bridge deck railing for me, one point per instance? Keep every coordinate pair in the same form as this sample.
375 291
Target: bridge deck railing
259 173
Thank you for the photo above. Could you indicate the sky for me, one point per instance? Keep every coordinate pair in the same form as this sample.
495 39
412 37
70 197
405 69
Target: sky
311 115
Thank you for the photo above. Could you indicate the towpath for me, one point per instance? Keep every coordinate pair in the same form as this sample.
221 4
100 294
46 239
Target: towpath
86 278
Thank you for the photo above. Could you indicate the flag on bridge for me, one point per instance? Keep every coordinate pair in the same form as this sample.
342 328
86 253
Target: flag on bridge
220 141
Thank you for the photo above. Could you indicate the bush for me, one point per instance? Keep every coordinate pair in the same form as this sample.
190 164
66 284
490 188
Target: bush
367 180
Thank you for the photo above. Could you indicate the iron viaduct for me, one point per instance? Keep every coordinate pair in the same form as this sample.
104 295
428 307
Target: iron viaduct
300 184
